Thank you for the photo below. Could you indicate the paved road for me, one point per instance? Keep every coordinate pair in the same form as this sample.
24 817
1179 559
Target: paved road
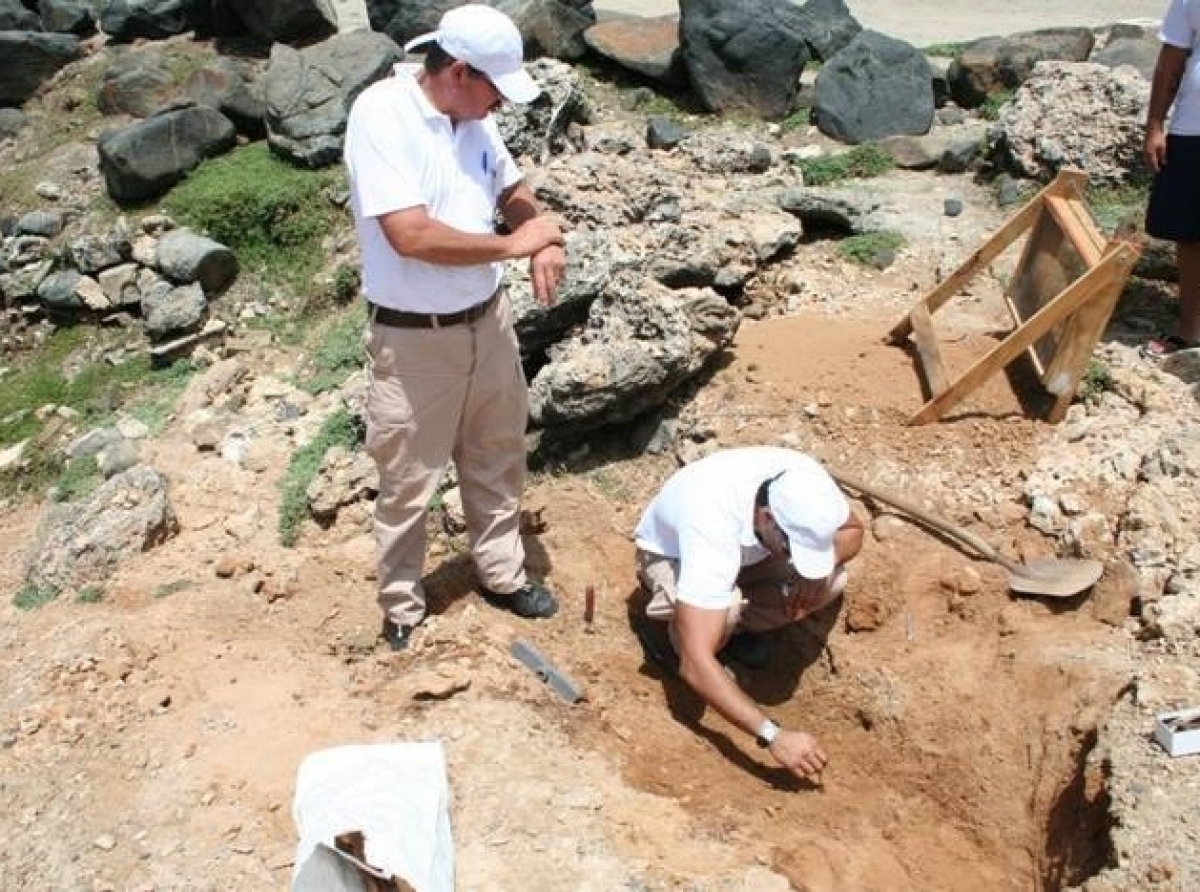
925 22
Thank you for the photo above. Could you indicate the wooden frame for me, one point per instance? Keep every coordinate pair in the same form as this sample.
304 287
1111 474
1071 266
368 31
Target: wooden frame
1060 301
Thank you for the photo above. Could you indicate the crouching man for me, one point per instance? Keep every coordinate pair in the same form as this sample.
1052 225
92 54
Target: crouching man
744 541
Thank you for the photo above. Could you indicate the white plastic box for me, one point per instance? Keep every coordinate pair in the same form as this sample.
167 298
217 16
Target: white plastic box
1178 732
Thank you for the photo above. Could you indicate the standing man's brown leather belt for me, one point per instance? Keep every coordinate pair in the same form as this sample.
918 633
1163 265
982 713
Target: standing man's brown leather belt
407 319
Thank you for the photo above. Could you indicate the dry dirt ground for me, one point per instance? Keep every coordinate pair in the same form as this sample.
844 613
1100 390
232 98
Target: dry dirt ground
150 741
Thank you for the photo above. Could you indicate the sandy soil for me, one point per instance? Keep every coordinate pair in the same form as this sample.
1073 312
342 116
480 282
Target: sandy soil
926 22
151 740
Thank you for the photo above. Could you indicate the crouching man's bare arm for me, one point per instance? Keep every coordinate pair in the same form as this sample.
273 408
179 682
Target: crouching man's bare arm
699 633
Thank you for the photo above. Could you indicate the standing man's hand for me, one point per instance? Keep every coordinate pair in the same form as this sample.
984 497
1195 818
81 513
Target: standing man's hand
1154 147
546 270
799 753
1164 85
533 235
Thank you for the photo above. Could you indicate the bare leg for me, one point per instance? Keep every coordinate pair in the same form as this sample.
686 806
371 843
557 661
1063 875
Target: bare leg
1188 259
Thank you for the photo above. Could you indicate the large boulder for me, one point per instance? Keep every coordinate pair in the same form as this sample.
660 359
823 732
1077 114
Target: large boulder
998 64
827 26
1139 51
216 18
308 92
642 341
30 58
136 82
68 16
287 20
875 87
15 17
81 544
146 159
648 46
184 256
538 129
744 57
127 20
232 89
1075 114
593 258
548 27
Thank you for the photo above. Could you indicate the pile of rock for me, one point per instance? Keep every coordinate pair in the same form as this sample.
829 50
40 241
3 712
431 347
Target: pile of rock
159 274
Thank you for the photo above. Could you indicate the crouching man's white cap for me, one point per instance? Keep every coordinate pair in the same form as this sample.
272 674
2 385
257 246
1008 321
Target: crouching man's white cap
488 41
808 506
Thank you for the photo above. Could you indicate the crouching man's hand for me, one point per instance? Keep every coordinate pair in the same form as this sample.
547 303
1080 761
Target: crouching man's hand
799 753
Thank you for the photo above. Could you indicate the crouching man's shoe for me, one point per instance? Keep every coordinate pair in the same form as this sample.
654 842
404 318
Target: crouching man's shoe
531 601
395 635
748 648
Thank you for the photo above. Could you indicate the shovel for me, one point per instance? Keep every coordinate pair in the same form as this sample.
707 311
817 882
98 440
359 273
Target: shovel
1051 577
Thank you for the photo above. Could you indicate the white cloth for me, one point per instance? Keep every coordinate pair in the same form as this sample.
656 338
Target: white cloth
1181 28
400 153
396 795
704 518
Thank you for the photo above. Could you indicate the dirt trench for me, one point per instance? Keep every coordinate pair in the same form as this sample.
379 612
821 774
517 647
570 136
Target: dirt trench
960 720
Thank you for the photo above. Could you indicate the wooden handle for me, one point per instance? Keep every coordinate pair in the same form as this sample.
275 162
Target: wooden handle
925 517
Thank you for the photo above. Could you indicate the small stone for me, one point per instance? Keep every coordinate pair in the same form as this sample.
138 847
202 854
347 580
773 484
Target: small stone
952 207
105 841
969 581
49 191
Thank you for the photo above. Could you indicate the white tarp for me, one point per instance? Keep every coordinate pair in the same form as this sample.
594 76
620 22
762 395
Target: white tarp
396 795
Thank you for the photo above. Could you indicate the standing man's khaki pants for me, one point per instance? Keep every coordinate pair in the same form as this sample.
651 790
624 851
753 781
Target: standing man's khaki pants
436 393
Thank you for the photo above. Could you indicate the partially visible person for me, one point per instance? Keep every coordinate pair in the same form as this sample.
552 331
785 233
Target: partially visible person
429 174
741 542
1173 154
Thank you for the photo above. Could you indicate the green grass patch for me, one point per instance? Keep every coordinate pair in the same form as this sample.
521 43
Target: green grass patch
340 429
55 119
799 119
947 50
79 477
69 371
338 352
173 587
271 213
1112 205
154 405
861 162
92 594
1097 379
990 109
31 597
870 248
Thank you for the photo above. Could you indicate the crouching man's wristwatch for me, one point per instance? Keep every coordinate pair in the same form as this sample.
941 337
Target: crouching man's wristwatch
766 733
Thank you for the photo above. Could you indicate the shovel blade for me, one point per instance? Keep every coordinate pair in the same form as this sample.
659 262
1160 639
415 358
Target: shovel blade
1055 577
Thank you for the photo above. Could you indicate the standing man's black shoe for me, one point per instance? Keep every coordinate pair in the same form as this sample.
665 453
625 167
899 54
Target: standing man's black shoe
395 635
531 601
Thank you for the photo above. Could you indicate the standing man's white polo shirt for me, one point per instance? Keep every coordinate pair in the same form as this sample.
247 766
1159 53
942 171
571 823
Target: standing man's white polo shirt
404 153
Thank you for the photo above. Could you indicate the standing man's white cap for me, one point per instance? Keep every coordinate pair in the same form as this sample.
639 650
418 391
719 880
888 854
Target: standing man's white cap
488 41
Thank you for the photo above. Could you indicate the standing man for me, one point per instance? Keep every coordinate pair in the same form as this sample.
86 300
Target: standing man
1173 154
429 174
749 540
